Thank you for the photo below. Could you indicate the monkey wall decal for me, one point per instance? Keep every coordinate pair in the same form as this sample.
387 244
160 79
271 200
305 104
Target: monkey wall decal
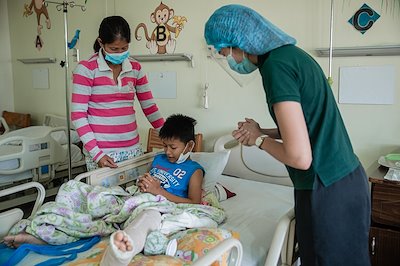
40 8
161 40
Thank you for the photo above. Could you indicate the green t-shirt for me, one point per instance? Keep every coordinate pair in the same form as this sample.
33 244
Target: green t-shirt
290 74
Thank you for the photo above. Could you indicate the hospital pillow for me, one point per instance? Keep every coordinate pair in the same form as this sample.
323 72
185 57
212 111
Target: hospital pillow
213 163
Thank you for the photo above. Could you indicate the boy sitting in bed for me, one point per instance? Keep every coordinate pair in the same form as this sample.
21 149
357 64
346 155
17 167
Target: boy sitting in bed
172 174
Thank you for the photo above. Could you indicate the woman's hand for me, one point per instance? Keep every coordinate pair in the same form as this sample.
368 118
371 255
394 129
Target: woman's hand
149 184
107 161
248 131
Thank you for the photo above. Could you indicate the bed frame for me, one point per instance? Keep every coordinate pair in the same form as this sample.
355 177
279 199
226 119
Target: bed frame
12 216
254 164
38 156
127 172
130 170
12 121
281 248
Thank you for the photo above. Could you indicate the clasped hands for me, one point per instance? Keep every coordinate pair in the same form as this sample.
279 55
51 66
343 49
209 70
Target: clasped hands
149 184
247 133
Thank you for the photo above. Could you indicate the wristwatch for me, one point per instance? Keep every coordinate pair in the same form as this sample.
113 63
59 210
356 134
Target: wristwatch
260 140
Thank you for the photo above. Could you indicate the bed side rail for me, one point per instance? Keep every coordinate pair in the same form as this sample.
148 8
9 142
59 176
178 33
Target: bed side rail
34 152
54 120
127 171
4 124
282 241
214 254
40 196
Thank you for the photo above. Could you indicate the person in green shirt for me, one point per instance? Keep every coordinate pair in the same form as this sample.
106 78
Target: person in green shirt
332 201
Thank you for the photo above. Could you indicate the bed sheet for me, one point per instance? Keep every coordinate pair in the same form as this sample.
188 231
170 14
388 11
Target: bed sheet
254 213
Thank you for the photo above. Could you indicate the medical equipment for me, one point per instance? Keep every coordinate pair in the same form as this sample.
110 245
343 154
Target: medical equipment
12 216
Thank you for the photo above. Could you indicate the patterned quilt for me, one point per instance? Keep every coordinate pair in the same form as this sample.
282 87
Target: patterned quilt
81 210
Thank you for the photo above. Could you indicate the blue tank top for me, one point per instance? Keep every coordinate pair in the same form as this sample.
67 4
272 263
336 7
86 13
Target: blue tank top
174 177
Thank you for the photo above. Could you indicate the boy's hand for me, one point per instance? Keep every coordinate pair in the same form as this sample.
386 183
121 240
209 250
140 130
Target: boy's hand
149 184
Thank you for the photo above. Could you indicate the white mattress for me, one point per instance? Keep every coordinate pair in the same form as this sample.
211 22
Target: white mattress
254 213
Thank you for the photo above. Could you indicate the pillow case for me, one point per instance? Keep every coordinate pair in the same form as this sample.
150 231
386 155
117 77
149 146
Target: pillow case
191 244
222 192
196 242
213 163
216 195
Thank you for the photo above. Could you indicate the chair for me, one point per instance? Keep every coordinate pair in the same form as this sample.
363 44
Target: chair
15 121
154 141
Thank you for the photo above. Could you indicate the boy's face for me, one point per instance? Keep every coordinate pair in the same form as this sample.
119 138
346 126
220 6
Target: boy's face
173 148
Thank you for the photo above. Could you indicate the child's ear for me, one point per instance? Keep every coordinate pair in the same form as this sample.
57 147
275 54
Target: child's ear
191 145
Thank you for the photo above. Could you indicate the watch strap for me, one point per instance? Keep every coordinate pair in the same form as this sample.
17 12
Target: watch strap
263 137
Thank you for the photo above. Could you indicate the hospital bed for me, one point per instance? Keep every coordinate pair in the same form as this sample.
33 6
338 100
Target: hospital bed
261 212
37 153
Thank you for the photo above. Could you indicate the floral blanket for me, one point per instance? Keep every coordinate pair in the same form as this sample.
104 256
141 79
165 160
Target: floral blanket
81 210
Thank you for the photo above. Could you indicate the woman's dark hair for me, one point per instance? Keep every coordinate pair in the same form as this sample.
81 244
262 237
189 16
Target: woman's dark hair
113 28
178 126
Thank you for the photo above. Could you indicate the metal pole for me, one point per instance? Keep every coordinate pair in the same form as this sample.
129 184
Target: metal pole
330 80
65 4
65 11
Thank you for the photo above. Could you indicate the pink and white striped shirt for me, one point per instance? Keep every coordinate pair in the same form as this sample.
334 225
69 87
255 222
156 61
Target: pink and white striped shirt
102 111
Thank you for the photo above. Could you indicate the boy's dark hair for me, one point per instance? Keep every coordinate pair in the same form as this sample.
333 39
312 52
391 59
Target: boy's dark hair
111 29
180 127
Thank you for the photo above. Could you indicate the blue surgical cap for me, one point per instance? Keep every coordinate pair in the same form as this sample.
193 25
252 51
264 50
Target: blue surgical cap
242 27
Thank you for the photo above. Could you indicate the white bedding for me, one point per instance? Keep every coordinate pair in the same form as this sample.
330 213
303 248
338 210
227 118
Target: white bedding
251 217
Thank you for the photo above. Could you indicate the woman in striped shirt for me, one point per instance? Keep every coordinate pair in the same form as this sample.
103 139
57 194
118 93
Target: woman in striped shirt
104 90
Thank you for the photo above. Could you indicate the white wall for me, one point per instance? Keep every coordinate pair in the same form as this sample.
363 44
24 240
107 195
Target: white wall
374 129
6 80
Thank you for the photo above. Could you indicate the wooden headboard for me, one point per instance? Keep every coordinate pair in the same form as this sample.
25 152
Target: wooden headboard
154 141
15 120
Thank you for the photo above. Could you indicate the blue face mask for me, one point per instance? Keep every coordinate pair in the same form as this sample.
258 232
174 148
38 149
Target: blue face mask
244 67
116 58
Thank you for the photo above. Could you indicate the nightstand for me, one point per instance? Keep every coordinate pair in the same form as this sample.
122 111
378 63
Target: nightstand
384 237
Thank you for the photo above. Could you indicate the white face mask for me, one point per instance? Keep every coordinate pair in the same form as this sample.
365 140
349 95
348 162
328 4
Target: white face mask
183 157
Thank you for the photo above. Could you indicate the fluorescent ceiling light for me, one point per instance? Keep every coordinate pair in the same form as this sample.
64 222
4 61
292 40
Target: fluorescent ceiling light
384 50
38 60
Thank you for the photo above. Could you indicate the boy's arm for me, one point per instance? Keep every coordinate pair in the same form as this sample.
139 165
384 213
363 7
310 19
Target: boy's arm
195 186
